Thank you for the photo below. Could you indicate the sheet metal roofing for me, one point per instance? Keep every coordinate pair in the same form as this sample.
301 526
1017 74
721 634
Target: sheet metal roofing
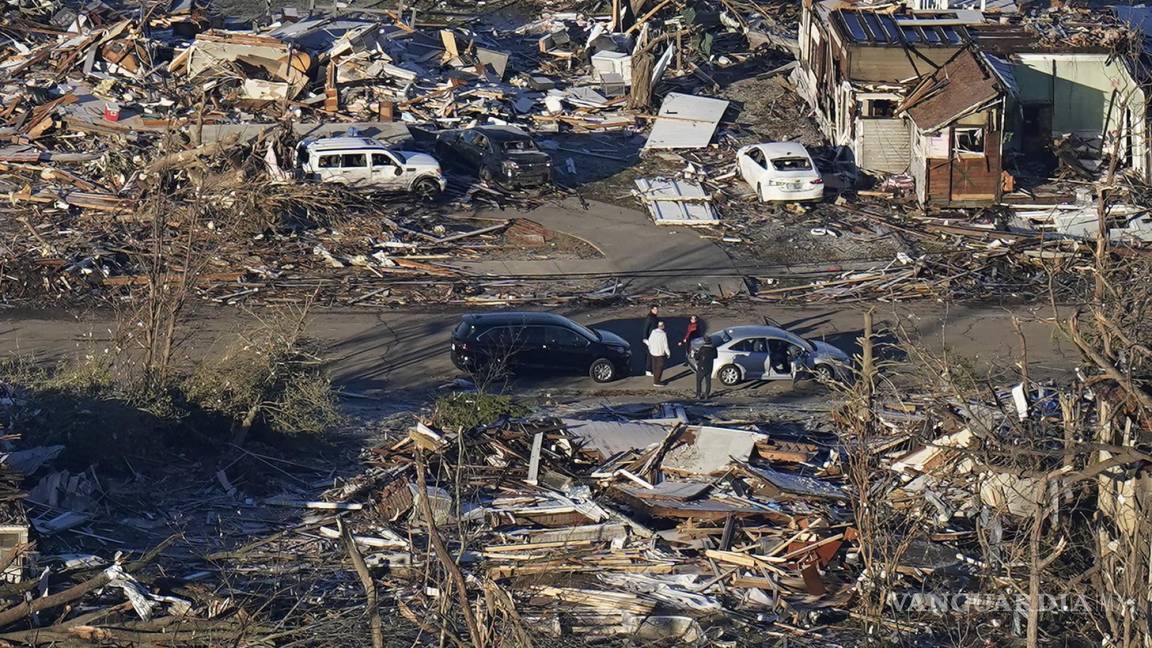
871 28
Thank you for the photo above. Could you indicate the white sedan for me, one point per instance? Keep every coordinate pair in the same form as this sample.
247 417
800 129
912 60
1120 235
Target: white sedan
780 171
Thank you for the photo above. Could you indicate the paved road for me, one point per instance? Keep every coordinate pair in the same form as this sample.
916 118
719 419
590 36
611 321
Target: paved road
402 354
398 353
630 243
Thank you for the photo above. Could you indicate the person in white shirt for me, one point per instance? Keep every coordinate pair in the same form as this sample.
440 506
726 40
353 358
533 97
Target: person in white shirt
658 352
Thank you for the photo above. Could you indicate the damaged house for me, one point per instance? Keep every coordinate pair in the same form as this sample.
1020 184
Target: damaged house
1079 95
956 116
945 95
1081 107
855 68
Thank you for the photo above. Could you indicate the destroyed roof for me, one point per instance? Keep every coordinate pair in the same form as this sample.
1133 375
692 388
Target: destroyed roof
1003 71
960 86
986 6
1139 19
931 30
1066 31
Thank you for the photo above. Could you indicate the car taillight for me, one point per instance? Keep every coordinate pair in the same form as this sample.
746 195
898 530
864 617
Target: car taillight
817 181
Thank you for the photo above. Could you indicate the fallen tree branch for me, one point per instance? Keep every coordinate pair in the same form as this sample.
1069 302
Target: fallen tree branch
371 599
444 557
26 608
1105 365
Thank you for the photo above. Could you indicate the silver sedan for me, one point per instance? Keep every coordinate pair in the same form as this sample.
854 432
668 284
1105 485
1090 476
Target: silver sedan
770 353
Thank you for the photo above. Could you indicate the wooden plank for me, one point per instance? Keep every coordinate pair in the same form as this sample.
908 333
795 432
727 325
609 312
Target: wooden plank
534 460
536 545
599 599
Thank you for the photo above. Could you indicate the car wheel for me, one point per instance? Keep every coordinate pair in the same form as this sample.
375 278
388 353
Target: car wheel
602 371
426 188
486 175
729 375
823 373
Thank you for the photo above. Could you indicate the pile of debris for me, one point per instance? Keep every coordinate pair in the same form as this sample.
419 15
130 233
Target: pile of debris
681 526
106 108
672 525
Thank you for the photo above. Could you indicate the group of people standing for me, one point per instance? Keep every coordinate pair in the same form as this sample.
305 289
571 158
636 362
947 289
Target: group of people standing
659 351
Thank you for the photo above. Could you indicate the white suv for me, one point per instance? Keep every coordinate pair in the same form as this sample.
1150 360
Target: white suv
363 161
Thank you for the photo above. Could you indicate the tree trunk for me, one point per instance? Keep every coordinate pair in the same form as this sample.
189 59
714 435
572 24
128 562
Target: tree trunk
1035 565
241 428
444 557
641 96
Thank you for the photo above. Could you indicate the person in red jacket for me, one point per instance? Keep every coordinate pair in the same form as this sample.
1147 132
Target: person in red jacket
694 331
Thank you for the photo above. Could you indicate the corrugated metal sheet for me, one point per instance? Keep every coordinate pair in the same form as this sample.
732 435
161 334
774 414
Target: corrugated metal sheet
675 202
1003 71
884 28
610 437
689 122
883 145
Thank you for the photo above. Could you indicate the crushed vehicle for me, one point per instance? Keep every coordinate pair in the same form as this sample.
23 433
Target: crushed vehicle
503 155
770 353
780 171
538 342
367 162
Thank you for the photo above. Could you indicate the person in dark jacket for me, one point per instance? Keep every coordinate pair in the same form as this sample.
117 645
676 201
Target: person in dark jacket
705 357
650 325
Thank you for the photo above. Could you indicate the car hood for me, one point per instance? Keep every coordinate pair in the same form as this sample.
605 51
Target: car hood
608 337
825 350
422 160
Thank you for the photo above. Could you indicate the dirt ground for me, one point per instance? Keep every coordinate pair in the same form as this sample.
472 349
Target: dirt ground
754 234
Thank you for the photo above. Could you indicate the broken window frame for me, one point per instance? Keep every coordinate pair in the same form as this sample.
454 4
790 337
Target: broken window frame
807 164
960 150
880 108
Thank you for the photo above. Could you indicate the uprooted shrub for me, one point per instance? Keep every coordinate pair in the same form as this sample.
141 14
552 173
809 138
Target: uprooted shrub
465 411
272 377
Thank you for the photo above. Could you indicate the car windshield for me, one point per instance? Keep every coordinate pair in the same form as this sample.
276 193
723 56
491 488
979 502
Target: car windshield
463 329
399 156
519 145
792 164
723 337
591 334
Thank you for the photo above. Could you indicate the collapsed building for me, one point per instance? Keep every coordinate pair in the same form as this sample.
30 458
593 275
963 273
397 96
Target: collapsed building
945 94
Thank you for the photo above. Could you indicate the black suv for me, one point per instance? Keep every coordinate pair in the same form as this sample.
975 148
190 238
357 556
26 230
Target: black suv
504 155
538 341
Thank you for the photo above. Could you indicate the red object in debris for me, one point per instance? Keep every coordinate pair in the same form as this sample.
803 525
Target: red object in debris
112 111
